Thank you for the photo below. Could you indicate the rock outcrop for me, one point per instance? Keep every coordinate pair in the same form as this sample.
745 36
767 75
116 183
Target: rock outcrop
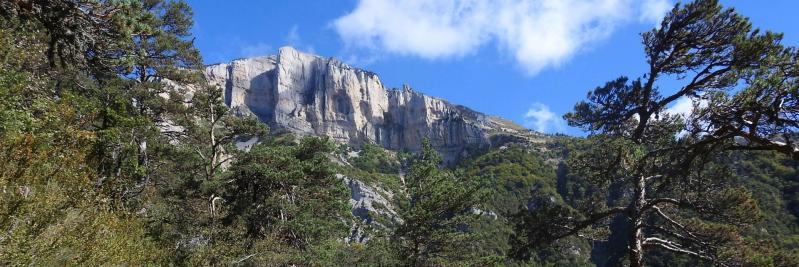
310 95
365 198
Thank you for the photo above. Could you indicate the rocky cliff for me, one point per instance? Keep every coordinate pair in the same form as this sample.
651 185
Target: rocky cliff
312 95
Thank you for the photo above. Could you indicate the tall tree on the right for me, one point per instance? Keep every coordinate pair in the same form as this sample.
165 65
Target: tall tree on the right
663 173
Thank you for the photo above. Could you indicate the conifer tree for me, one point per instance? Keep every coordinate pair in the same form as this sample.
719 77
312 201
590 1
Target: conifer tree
282 204
671 190
433 211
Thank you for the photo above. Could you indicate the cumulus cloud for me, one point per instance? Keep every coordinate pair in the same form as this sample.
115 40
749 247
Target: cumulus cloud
429 29
536 33
654 10
683 107
540 118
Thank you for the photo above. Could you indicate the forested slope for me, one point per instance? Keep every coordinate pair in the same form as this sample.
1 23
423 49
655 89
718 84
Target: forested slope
115 150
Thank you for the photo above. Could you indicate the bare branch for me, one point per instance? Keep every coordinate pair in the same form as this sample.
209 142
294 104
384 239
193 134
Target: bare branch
674 247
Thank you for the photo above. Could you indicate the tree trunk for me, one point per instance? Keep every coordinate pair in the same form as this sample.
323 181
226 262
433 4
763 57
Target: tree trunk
212 168
636 233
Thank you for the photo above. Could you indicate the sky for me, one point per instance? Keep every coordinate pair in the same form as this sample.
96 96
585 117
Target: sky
528 61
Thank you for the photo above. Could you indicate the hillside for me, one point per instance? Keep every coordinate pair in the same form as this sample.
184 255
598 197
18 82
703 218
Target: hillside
120 147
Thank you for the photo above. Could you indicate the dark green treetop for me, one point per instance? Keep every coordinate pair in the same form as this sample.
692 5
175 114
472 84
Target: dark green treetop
432 211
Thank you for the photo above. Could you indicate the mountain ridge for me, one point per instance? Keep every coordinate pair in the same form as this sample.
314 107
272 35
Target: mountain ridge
307 94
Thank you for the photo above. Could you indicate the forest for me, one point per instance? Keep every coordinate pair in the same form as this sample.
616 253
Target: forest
115 150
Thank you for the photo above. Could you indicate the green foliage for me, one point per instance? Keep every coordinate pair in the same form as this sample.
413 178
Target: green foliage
662 175
515 179
288 192
375 159
81 145
50 210
281 201
772 179
114 151
372 165
514 175
434 212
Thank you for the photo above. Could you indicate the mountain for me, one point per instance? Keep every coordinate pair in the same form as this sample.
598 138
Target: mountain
307 94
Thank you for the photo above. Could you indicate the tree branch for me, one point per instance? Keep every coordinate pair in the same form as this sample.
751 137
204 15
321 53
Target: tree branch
676 247
592 219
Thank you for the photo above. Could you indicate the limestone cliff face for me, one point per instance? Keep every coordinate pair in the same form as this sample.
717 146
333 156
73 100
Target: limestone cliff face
311 95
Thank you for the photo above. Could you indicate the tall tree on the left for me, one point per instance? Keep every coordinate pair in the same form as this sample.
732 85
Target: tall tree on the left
158 54
83 99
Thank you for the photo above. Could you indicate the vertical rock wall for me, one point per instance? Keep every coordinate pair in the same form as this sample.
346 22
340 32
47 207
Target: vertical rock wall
311 95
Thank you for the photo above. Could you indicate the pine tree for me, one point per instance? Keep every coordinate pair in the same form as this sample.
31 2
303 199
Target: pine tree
433 212
141 96
281 204
661 173
51 70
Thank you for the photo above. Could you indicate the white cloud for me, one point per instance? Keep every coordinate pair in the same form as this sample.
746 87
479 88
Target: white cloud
684 106
540 118
537 33
429 29
654 10
293 36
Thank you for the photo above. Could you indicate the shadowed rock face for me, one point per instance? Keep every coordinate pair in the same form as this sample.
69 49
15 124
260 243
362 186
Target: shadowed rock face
311 95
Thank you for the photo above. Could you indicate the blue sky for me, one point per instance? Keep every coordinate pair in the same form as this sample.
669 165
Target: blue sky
525 60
